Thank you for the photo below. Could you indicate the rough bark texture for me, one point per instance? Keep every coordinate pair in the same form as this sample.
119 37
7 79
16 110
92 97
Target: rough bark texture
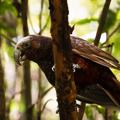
65 86
26 67
102 21
2 91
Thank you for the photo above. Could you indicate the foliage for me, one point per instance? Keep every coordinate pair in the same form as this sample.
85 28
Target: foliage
7 18
6 6
88 111
85 21
116 45
110 21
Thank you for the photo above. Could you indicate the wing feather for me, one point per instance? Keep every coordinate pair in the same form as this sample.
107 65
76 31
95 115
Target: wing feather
93 53
97 94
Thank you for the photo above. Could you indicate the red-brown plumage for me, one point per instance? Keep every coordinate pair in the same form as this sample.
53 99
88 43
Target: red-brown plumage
93 73
94 80
86 74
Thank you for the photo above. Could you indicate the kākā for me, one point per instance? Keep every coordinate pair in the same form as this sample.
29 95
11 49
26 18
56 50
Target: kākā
94 80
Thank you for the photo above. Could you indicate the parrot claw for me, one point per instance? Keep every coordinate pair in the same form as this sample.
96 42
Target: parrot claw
74 67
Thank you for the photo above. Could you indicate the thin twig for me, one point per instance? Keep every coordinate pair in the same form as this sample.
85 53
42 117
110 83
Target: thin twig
6 37
81 110
29 18
44 27
102 22
16 93
13 96
114 31
43 95
44 106
111 34
41 12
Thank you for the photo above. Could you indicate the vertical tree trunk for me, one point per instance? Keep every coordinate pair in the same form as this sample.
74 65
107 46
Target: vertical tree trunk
64 84
2 91
39 96
26 67
39 113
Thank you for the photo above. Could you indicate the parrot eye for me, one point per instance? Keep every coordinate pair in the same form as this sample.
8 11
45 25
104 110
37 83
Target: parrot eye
26 45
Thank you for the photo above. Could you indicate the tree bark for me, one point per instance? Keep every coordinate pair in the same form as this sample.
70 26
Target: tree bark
26 67
64 84
2 90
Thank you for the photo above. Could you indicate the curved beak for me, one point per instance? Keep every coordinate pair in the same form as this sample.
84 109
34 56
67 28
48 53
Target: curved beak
19 56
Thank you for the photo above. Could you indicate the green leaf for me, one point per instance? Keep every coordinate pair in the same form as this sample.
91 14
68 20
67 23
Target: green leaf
6 6
118 15
9 50
5 28
85 21
116 45
88 111
111 20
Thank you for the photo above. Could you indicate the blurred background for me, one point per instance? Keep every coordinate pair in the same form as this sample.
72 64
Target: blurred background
25 94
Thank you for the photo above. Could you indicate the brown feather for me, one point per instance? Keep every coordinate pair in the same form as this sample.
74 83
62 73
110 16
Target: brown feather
91 52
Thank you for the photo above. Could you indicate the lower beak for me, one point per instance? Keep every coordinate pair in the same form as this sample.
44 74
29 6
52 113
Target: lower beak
17 56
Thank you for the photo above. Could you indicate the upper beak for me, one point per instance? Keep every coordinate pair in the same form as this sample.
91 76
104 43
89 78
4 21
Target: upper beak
19 56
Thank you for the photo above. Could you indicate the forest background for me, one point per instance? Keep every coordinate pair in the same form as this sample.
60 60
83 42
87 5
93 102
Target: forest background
19 18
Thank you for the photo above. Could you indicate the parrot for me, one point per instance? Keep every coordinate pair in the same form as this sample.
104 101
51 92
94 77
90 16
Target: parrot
94 80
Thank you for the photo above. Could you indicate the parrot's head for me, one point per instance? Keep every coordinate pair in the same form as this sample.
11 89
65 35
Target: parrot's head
33 47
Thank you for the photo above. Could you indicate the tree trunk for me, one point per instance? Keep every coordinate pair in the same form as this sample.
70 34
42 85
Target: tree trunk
2 91
64 84
26 67
39 96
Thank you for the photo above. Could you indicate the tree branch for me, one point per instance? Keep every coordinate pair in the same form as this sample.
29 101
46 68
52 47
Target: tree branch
40 16
113 32
110 35
102 21
6 37
26 67
2 89
44 27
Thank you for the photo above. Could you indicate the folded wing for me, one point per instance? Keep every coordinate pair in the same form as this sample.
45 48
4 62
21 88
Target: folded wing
97 94
93 53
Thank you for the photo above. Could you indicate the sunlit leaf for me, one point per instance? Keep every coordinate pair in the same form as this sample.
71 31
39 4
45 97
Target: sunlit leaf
85 21
9 50
110 21
17 106
5 28
116 45
118 14
88 111
6 6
